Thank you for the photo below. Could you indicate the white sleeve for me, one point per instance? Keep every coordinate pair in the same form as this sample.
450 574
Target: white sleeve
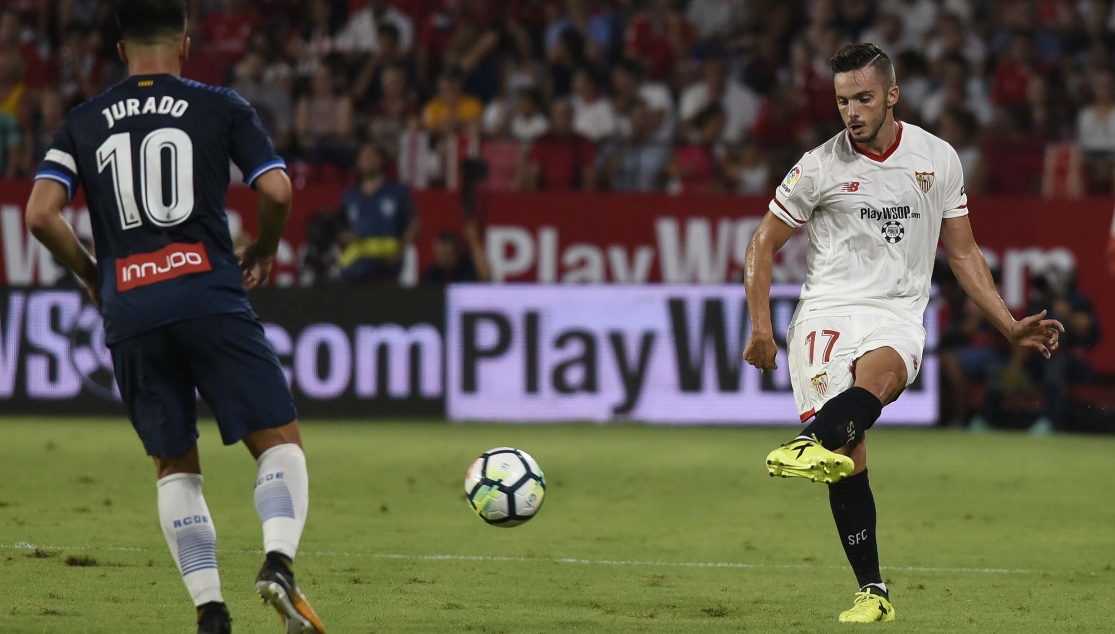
956 199
798 194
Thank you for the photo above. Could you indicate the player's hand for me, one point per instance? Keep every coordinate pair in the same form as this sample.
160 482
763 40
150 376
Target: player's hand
760 352
1038 333
254 268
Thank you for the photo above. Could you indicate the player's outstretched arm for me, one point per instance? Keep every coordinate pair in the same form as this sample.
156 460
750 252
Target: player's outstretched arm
771 235
44 218
275 198
971 270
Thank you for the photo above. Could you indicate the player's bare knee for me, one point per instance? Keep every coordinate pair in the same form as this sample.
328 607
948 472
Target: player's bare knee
188 462
261 440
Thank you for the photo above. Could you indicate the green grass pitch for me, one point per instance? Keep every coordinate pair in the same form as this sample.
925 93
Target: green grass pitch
644 529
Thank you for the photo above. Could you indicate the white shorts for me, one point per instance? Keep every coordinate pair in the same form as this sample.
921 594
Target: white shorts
823 352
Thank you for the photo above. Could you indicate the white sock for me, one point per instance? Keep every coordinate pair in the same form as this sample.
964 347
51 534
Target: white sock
190 534
282 497
881 586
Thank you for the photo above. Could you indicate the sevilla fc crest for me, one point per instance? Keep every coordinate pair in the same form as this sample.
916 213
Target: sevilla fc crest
821 383
925 181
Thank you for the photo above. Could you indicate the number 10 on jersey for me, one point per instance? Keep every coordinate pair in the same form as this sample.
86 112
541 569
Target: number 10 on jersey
162 210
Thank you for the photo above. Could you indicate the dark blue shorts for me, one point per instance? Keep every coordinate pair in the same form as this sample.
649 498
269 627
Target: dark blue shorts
229 361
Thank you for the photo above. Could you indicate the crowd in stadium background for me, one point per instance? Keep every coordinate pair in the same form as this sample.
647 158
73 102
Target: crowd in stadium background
631 95
671 96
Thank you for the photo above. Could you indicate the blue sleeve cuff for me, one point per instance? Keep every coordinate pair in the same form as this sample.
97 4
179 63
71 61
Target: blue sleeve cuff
60 177
263 169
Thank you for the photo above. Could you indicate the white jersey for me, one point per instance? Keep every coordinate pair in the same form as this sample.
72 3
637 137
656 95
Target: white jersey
873 222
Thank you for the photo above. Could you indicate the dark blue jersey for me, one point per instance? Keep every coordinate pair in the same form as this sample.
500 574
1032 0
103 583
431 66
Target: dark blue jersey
152 154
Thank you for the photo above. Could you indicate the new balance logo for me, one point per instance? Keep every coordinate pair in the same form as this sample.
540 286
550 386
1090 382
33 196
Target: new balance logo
850 188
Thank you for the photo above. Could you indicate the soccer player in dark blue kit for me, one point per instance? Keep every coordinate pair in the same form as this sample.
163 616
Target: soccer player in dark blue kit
152 154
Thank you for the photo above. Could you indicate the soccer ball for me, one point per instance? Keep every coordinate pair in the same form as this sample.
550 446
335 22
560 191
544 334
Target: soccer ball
505 487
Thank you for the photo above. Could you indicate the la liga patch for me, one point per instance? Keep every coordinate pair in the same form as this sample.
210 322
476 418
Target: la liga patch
791 180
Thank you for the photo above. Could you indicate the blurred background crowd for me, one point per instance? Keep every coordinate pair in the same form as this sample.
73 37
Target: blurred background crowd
627 95
383 97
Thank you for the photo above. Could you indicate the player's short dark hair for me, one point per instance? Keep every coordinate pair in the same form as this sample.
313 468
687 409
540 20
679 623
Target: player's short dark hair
148 21
857 56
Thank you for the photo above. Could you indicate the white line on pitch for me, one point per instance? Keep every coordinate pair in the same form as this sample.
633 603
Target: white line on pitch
557 560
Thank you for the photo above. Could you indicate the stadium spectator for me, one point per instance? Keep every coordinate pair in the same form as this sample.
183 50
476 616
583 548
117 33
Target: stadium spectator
856 16
323 121
1013 156
890 34
395 111
561 158
1048 112
521 120
51 111
746 171
782 122
229 29
379 222
958 90
593 113
741 105
958 128
918 16
971 353
695 167
12 40
916 84
659 37
1095 124
205 64
434 37
271 100
593 20
76 68
14 114
451 109
563 60
82 14
453 264
1073 309
1095 128
367 86
629 86
1014 70
953 38
471 49
363 30
315 42
635 163
716 19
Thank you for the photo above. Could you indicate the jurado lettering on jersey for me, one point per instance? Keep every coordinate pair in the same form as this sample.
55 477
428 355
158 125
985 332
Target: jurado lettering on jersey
131 107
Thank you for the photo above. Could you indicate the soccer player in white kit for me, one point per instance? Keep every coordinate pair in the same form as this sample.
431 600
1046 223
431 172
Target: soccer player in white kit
874 201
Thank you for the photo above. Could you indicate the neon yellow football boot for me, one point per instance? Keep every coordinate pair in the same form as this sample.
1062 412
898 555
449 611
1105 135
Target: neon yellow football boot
869 608
808 459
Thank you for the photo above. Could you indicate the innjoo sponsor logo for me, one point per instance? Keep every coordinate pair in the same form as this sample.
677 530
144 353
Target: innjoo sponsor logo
167 263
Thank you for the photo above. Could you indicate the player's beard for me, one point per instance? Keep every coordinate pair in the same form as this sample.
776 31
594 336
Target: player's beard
874 133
